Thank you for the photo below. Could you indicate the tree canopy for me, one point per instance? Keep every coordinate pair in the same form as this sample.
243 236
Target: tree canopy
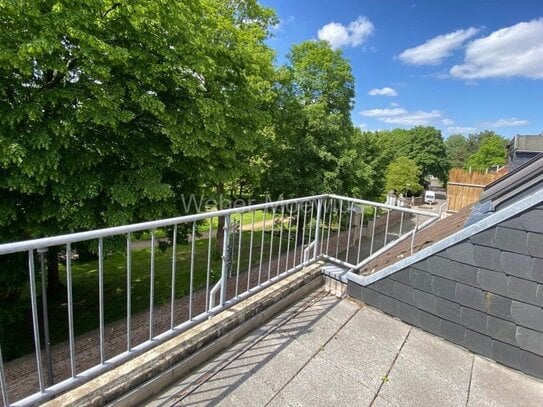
491 152
311 125
402 176
112 110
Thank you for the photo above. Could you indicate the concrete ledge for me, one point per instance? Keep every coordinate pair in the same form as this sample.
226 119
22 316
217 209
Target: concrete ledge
335 287
149 373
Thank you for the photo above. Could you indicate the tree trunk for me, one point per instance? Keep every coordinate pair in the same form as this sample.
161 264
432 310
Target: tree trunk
54 286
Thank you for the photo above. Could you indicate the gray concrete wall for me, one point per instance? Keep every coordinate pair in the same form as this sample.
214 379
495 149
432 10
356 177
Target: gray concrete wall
485 293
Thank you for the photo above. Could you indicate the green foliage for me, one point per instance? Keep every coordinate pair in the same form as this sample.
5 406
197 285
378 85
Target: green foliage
114 109
309 150
425 146
111 111
402 176
491 152
457 150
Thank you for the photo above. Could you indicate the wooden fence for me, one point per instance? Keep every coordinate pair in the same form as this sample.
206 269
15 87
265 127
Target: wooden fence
465 187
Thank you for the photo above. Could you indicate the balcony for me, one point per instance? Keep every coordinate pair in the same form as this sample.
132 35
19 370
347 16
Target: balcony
272 255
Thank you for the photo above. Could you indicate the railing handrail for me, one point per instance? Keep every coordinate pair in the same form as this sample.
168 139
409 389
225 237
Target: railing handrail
45 242
384 206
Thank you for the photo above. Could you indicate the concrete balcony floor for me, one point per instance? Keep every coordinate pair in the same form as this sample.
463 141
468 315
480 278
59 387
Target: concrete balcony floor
326 351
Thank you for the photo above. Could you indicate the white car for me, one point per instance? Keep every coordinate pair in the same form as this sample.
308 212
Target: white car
429 197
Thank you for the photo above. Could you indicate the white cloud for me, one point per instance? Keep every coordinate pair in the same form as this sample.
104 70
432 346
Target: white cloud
417 118
433 51
512 51
394 104
403 117
386 91
461 130
512 122
447 122
352 35
380 113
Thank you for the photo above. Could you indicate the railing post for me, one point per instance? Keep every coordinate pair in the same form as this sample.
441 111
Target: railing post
317 227
225 258
45 315
414 233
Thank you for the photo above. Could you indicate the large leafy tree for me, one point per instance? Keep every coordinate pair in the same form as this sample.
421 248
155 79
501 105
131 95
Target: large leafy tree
425 146
491 152
312 128
457 150
110 111
402 176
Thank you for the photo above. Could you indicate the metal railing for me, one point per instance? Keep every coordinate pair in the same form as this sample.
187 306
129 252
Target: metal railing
181 283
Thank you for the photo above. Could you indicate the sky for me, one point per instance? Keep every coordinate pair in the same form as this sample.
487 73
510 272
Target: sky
462 66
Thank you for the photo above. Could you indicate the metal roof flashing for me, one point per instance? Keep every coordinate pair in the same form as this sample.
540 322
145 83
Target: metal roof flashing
478 224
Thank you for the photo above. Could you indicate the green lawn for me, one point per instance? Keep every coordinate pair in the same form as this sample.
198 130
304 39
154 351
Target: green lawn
85 280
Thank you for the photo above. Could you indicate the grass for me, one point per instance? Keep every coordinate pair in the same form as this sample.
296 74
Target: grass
86 289
85 281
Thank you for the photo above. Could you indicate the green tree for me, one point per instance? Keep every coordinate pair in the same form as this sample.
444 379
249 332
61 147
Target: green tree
312 128
457 150
111 111
425 146
474 140
402 176
491 152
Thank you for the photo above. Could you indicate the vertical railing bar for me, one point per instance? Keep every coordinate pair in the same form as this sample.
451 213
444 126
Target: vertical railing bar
101 297
296 235
128 293
262 246
70 307
303 233
239 252
152 286
174 261
280 238
339 227
250 251
45 315
208 273
414 233
310 220
373 229
329 226
191 282
386 228
349 232
360 234
3 384
34 305
226 261
401 223
288 236
317 227
271 244
324 226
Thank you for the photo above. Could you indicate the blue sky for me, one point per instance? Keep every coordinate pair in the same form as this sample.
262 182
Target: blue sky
459 65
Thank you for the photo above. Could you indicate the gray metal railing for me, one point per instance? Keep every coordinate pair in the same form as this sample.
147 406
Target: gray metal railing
260 245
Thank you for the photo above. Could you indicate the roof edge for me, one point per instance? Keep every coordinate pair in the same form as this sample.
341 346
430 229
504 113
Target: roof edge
463 234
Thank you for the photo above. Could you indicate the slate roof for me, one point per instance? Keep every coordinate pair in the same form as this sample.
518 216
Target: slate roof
433 233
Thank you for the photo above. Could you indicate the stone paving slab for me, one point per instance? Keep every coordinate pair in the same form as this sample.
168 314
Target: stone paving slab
326 351
494 385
